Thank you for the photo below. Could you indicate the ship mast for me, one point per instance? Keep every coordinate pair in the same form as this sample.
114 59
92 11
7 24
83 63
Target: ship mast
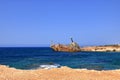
72 40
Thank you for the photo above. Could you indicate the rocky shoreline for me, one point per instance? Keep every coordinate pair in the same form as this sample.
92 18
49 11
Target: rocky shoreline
105 48
63 73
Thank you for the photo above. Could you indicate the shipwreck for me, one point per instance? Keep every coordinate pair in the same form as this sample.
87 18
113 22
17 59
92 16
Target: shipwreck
72 47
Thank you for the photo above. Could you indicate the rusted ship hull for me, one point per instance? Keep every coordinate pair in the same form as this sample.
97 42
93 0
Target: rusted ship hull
72 47
64 48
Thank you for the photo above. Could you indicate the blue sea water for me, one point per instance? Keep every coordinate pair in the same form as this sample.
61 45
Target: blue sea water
34 57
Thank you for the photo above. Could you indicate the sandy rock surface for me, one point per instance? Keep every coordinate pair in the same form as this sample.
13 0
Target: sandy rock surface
63 73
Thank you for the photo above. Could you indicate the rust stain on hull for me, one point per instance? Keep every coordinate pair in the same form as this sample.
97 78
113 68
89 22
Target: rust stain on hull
72 47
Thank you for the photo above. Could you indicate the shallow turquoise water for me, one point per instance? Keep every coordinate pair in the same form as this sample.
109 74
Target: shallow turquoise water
32 58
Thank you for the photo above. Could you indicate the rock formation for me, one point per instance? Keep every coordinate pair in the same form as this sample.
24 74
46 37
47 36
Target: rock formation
105 48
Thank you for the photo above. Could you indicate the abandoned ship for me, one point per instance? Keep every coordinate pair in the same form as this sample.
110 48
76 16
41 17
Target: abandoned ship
72 47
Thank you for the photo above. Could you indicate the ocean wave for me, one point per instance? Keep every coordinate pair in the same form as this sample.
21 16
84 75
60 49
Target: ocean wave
49 66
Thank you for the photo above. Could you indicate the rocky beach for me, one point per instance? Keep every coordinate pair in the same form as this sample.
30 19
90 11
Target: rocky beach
63 73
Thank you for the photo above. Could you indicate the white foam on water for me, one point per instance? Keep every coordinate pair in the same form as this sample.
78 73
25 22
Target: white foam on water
49 66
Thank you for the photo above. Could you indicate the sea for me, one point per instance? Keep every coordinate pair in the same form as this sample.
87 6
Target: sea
28 58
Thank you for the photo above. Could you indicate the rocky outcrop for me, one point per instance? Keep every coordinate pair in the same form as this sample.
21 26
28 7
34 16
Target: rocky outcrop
106 48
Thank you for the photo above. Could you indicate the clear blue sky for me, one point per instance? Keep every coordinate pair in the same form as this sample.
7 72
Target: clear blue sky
38 22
